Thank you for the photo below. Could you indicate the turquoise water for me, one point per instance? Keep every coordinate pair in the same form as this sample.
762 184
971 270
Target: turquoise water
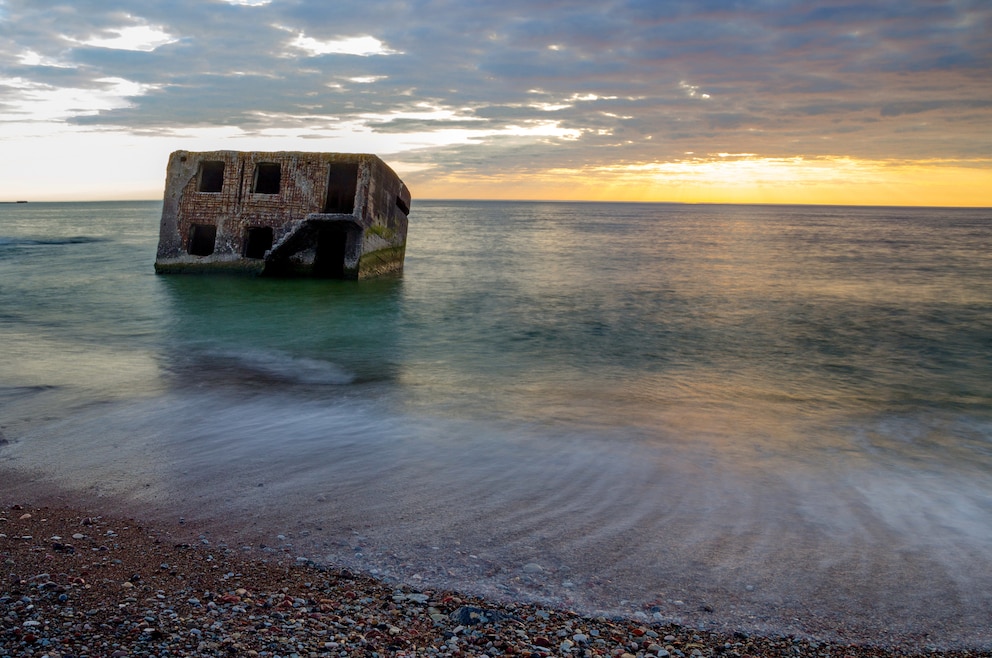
780 414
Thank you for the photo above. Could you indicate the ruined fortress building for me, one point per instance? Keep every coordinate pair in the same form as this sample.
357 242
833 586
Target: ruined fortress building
285 213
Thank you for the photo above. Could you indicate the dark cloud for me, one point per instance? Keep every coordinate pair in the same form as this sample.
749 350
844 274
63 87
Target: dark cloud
917 107
635 79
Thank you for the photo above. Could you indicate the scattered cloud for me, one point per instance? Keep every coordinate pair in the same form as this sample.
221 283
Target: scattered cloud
144 38
455 88
362 46
367 79
34 59
692 91
47 103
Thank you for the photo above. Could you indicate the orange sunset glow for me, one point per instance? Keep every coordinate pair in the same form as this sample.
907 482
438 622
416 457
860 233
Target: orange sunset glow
840 181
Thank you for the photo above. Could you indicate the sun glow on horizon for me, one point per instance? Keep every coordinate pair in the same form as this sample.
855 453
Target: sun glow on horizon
745 178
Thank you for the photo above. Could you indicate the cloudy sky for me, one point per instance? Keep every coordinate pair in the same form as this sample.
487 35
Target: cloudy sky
876 102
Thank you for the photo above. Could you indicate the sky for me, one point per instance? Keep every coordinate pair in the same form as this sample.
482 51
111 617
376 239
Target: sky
698 101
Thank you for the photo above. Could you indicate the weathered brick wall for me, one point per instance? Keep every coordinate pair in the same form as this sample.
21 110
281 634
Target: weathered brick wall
237 207
209 207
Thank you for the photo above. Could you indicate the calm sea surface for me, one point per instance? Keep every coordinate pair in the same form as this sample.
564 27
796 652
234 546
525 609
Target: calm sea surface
773 418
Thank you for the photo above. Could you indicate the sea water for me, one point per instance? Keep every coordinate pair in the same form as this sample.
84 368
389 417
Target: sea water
770 418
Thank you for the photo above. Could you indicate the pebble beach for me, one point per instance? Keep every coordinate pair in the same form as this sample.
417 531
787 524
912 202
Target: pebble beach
77 584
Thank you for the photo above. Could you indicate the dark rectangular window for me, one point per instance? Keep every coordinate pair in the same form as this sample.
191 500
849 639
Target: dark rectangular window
342 180
401 204
267 178
259 241
211 176
201 239
332 245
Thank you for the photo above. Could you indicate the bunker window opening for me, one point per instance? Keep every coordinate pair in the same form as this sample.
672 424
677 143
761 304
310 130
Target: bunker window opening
201 239
342 183
259 241
267 178
211 176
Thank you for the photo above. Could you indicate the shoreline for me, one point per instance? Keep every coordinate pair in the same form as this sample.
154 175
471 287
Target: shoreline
924 619
77 583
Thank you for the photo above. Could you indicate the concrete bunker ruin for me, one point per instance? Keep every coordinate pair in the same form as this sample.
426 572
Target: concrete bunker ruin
285 213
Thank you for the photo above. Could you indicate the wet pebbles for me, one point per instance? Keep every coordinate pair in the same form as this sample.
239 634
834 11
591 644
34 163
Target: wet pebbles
76 585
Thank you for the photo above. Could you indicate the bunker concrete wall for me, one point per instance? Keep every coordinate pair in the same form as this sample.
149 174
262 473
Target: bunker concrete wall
235 206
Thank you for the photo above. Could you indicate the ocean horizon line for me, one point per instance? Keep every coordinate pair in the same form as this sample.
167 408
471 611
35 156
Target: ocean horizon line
574 201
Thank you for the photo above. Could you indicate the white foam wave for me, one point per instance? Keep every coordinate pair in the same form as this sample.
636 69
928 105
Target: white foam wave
282 366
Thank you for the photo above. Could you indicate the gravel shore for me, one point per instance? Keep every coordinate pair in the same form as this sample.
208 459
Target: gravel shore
77 584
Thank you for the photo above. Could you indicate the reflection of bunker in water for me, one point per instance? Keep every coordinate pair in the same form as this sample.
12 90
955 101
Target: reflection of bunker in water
331 215
312 334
